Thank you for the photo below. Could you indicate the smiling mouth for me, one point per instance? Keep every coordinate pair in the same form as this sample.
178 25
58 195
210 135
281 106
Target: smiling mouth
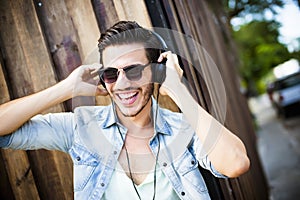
127 98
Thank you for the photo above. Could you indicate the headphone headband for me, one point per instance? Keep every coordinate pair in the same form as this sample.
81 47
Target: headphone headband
161 40
159 71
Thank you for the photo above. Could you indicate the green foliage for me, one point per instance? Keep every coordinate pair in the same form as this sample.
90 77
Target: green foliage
257 41
241 8
259 51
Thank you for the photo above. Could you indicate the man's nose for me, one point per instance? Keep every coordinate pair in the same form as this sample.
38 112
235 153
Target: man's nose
122 81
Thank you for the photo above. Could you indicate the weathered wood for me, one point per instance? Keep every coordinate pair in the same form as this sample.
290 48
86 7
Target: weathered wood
5 187
16 180
87 31
106 13
187 50
29 70
237 113
19 176
198 21
133 11
63 43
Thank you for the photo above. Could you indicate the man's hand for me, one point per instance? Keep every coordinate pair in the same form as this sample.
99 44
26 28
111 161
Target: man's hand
84 81
81 82
173 74
232 162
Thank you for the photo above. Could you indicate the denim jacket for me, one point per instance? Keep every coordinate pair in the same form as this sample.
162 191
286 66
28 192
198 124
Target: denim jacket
91 137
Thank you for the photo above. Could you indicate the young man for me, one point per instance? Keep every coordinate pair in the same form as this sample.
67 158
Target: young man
131 149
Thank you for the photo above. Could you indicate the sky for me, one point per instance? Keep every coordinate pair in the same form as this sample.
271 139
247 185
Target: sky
289 16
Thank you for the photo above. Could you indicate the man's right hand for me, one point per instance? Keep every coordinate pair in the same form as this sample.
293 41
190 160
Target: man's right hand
84 81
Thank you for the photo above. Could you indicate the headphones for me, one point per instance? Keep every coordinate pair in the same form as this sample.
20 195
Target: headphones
159 68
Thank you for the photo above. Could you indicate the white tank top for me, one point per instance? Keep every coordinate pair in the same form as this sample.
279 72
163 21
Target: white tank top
120 187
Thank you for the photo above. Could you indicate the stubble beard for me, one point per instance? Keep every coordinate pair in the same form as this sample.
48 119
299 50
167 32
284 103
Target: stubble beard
147 95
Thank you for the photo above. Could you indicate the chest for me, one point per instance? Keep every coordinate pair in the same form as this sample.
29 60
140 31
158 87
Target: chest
136 159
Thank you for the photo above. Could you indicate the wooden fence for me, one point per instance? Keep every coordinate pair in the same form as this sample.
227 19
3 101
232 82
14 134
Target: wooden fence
42 41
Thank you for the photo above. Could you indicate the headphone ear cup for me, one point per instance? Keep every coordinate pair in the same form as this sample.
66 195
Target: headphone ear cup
159 72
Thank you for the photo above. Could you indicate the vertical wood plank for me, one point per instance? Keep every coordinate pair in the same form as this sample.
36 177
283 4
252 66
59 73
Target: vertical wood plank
133 11
195 18
29 70
16 180
238 115
20 174
63 43
86 29
5 187
106 13
87 32
19 183
239 118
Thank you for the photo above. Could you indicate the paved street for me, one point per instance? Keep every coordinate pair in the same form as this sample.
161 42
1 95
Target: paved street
279 149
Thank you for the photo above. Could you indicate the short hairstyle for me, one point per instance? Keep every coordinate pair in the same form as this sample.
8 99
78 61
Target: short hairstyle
128 32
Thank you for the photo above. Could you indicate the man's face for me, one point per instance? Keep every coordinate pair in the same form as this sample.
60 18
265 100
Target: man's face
130 96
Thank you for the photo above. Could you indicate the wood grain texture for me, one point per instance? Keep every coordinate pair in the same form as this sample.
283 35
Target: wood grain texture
42 42
29 69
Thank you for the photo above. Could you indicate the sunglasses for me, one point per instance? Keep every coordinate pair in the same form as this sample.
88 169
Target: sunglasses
132 73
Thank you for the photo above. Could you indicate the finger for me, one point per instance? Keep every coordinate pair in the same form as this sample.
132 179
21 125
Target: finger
95 67
163 91
163 55
96 78
101 92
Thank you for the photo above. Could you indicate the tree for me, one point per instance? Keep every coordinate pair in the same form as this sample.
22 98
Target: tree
241 8
259 51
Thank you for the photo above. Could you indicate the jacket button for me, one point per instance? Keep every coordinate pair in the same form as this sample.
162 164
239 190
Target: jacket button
182 193
78 158
165 164
192 162
102 184
115 152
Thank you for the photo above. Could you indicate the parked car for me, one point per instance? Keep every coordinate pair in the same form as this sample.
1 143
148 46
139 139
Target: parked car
285 94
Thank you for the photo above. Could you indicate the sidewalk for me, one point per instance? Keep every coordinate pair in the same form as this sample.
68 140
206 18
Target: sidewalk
278 148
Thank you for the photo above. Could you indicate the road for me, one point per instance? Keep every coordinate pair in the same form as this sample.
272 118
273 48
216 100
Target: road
279 149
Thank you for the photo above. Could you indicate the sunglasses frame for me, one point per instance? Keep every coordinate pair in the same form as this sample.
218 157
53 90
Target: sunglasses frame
125 69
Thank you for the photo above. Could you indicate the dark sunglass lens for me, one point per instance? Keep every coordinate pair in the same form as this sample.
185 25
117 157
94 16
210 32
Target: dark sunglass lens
110 75
134 72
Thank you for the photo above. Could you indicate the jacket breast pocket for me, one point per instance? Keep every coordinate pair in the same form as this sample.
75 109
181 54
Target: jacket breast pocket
187 166
85 164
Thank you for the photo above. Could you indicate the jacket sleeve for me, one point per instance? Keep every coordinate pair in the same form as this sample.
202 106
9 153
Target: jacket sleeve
50 131
202 156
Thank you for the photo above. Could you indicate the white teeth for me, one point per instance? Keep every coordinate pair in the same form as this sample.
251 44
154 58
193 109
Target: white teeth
126 95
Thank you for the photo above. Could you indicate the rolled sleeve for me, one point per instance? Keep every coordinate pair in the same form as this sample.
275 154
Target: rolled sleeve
206 164
4 141
202 157
51 131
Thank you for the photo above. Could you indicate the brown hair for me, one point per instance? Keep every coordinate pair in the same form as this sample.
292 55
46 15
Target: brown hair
127 32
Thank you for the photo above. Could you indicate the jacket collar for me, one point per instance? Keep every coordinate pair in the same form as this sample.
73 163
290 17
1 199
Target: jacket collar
162 125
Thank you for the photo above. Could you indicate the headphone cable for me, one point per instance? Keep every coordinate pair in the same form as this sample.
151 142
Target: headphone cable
126 151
